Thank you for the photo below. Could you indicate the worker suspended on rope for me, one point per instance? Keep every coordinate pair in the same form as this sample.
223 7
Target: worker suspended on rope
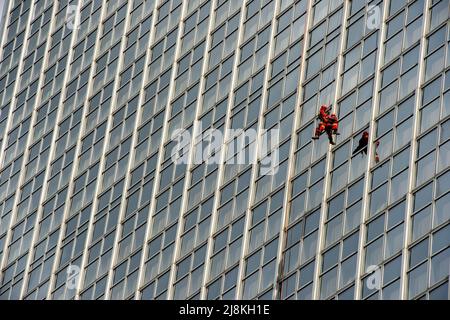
362 146
328 123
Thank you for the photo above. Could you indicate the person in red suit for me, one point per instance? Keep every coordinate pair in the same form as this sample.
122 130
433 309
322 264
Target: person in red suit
328 123
324 112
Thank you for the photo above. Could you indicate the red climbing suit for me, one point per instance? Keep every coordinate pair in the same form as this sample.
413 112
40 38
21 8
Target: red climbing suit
323 118
328 122
323 113
332 124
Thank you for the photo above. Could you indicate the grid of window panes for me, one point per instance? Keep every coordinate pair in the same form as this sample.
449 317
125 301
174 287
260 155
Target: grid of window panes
93 91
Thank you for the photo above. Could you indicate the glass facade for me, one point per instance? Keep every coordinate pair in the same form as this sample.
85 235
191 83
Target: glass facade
93 205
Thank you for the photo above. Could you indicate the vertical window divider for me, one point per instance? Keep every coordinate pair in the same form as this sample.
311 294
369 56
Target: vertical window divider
372 131
328 165
127 178
254 170
407 238
51 155
8 238
223 152
291 166
191 163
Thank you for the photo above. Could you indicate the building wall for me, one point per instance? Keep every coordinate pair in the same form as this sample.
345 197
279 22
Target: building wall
93 205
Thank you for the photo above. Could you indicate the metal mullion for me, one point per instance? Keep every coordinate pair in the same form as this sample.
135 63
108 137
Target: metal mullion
127 178
291 167
372 130
29 139
221 167
254 169
103 156
9 121
76 157
161 147
19 69
327 178
191 164
147 62
407 236
4 10
48 166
